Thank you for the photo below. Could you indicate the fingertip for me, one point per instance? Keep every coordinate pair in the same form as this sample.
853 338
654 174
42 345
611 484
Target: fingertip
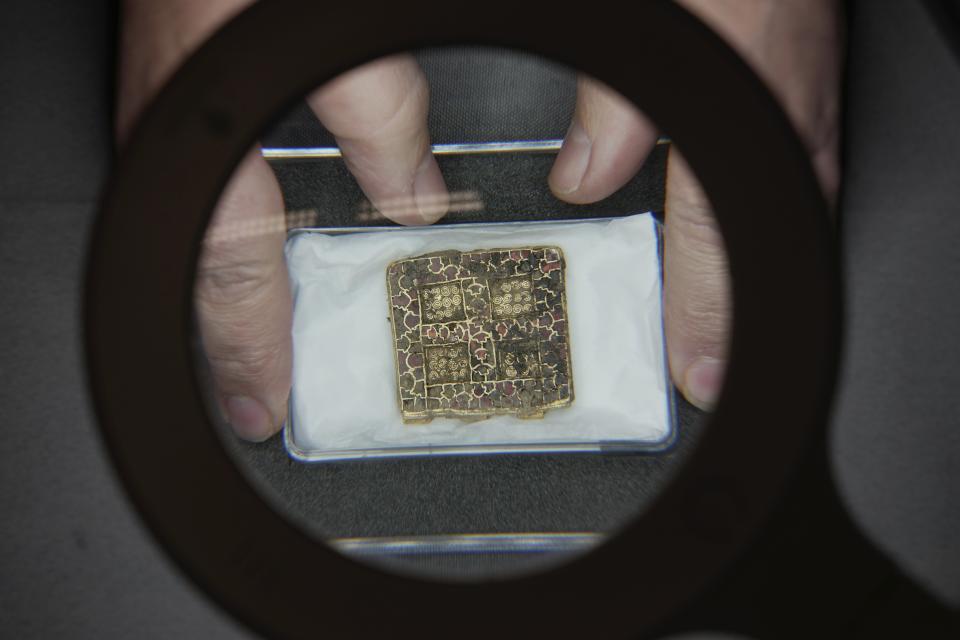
600 156
430 191
571 163
702 382
249 418
422 201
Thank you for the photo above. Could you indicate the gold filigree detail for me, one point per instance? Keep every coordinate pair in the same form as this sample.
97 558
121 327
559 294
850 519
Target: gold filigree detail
442 303
511 297
447 364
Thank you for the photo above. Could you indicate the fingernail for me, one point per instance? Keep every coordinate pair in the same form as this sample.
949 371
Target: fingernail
703 381
249 418
572 161
430 191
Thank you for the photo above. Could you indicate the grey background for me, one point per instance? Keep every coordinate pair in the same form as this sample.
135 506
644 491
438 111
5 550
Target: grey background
75 561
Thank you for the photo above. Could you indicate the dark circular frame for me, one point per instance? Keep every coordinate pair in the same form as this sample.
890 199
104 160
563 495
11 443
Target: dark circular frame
269 573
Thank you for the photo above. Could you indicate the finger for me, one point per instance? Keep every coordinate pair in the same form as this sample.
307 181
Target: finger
378 114
244 303
606 144
697 303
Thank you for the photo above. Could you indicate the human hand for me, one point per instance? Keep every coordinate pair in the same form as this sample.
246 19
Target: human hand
377 114
795 47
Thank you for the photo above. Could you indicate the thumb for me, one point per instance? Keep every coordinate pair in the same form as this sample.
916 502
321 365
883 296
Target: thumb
244 304
378 114
606 144
696 297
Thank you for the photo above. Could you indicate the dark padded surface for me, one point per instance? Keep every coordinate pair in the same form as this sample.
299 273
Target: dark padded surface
509 186
492 106
464 494
75 562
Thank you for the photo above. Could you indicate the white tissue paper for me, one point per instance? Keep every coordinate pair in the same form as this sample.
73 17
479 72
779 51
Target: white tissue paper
344 398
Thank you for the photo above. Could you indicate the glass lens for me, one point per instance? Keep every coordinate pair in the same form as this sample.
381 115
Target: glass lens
460 282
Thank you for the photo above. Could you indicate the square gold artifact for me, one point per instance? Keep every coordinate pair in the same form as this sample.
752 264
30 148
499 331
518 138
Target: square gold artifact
480 333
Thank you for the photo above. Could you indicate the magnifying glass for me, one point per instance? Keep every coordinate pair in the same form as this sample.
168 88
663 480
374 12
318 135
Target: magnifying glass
272 575
519 329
